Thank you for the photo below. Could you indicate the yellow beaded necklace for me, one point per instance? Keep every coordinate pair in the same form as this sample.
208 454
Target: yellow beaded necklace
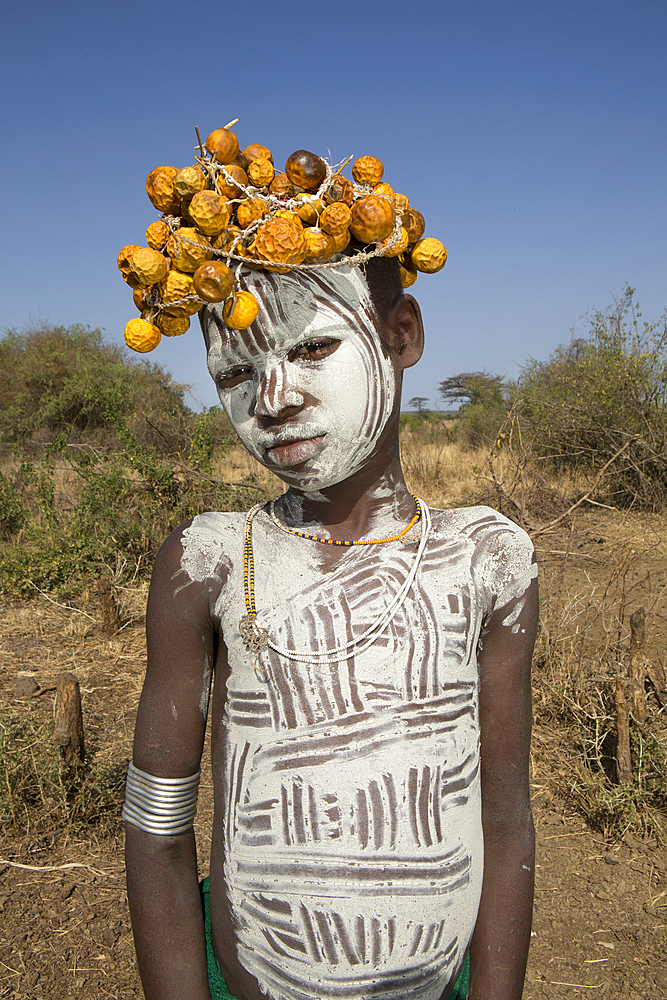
337 541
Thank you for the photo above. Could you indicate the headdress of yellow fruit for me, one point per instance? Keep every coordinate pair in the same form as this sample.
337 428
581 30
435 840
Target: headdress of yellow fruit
428 255
230 184
281 187
231 209
157 235
372 219
257 152
339 189
281 240
148 266
260 172
188 181
124 257
320 245
223 145
213 281
209 212
306 170
141 336
240 310
172 326
367 170
251 210
399 244
336 218
175 288
187 249
309 209
160 190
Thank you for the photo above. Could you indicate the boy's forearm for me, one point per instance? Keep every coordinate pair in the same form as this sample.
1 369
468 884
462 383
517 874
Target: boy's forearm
167 917
499 949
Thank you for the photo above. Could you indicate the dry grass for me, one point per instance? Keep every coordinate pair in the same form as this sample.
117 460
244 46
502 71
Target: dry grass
440 471
596 567
237 466
594 573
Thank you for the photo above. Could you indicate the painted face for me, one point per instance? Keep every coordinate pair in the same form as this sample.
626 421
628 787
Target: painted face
310 387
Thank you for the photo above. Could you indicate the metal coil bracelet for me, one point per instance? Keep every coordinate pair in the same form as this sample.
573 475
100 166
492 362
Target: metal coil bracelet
163 806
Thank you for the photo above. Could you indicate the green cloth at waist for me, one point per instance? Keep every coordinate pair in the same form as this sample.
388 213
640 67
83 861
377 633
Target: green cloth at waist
218 986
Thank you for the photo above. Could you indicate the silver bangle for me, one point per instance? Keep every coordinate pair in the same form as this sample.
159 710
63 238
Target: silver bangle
164 806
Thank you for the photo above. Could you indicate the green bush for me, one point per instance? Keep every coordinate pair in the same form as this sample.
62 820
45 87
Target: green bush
201 441
134 460
126 503
13 514
600 401
68 383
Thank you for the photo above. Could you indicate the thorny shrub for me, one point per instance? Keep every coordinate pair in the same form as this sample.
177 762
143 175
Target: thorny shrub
582 647
601 401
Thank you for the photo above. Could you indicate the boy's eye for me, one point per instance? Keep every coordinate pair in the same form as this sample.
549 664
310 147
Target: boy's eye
314 350
232 377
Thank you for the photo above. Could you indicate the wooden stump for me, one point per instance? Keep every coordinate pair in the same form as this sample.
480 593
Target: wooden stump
631 693
623 757
638 666
68 732
110 616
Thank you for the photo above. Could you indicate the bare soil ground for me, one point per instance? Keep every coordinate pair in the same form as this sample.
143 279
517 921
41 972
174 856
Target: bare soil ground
600 924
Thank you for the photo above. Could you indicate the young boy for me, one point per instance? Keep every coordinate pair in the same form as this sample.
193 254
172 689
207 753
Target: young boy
371 709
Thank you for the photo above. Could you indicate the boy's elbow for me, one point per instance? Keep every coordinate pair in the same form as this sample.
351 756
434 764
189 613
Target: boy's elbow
510 826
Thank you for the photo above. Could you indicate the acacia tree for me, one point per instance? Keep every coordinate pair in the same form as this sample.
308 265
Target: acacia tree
418 403
482 405
473 389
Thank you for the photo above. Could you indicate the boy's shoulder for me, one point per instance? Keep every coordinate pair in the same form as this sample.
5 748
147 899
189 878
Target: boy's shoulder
209 539
205 547
477 523
500 553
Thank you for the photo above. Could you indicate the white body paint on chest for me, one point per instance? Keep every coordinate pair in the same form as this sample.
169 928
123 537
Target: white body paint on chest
352 834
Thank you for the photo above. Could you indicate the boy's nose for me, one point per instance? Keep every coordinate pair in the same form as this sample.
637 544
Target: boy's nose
275 395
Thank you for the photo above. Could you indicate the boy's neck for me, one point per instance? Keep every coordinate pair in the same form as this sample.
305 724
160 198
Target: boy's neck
364 506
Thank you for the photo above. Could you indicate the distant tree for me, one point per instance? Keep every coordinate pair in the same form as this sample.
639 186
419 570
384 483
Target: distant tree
473 388
482 405
418 402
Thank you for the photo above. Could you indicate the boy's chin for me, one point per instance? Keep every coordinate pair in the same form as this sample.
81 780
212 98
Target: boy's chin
326 468
311 481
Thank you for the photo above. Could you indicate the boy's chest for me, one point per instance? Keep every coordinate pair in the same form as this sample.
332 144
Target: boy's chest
349 636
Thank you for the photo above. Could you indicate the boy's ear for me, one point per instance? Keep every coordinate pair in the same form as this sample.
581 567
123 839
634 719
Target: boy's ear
405 331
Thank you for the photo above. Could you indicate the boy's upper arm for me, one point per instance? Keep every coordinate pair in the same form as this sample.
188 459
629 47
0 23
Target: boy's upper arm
182 644
505 697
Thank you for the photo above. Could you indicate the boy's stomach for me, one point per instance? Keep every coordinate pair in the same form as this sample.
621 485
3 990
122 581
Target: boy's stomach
354 874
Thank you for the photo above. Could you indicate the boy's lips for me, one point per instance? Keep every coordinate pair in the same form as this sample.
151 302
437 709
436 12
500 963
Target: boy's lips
294 451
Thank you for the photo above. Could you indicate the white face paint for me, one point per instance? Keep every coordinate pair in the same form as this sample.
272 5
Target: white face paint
310 387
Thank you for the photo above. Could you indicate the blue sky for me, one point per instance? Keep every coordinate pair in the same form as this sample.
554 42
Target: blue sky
532 136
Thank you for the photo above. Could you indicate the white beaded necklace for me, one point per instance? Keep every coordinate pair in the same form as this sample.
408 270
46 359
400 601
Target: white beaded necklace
256 639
